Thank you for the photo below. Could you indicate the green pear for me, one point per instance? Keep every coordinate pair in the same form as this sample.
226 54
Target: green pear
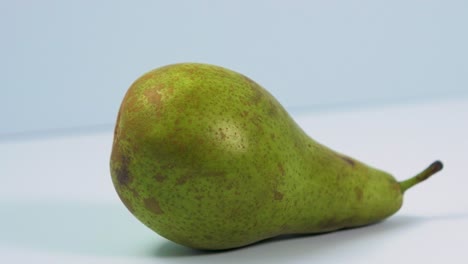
207 158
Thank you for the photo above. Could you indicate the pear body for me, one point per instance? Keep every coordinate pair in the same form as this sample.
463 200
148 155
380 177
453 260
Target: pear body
209 159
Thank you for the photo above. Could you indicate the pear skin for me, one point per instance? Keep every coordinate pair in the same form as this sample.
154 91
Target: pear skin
207 158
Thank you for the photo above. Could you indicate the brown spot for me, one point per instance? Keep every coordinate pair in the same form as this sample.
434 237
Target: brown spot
122 173
273 109
153 95
159 177
359 193
273 136
133 191
348 160
257 96
277 195
222 134
153 205
244 113
281 169
130 103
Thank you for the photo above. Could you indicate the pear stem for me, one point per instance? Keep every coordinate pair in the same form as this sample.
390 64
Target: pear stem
429 171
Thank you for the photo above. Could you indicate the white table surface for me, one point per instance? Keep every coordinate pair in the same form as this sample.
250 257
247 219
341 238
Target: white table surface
58 205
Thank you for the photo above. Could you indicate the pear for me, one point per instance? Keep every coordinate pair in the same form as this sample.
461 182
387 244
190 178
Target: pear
207 158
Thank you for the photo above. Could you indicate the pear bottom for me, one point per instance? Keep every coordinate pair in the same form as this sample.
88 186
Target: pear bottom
219 211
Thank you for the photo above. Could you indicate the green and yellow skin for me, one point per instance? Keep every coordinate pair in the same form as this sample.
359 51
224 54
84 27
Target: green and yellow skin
209 159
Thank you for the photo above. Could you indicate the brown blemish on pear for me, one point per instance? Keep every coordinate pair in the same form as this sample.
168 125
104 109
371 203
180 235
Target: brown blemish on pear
281 169
359 193
123 174
159 177
277 195
153 206
222 134
153 96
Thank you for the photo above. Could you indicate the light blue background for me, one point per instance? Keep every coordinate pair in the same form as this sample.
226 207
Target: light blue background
65 65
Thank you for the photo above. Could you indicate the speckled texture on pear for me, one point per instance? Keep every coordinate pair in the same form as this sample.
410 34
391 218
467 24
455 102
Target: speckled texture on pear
207 158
